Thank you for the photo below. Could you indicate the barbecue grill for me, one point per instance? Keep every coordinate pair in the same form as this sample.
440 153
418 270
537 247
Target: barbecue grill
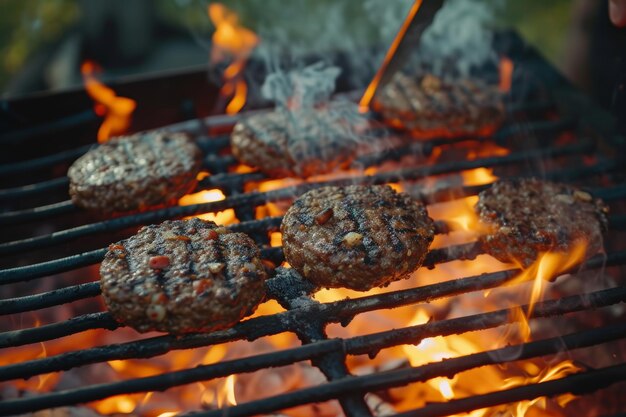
551 129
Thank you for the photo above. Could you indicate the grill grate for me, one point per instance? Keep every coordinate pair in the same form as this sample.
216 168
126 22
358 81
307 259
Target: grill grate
584 159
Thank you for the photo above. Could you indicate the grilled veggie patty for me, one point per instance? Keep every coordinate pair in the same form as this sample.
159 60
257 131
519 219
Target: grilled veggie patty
182 276
529 216
431 107
131 173
301 145
357 237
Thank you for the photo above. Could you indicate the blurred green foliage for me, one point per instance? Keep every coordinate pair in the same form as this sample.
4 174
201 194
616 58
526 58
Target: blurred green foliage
27 26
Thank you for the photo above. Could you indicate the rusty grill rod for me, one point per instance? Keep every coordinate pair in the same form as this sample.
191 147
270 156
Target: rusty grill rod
257 198
447 368
85 290
338 312
355 346
198 127
220 164
55 330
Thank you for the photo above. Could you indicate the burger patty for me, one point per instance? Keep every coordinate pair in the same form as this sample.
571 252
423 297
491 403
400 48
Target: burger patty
300 144
182 276
357 237
431 107
131 173
529 216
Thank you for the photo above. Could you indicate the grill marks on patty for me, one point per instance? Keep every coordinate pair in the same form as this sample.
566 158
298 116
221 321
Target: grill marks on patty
530 216
357 237
431 107
183 276
135 172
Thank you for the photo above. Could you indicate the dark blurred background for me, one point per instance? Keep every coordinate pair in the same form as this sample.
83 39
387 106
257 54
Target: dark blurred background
43 42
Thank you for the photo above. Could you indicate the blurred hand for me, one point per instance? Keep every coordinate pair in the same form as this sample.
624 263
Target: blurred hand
617 12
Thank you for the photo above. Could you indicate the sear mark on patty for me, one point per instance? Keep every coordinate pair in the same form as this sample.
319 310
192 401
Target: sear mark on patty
374 236
137 172
530 216
212 277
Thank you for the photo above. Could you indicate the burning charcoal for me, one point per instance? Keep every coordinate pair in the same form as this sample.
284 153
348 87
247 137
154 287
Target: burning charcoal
135 172
182 285
430 107
529 216
375 236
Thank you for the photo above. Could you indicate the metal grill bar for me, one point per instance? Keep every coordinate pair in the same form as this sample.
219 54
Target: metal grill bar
382 380
49 299
43 162
447 368
41 333
43 269
77 292
337 312
220 163
257 198
577 384
40 187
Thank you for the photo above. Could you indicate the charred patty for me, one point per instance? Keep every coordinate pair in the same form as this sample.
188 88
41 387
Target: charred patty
529 216
430 107
299 144
182 276
357 237
136 172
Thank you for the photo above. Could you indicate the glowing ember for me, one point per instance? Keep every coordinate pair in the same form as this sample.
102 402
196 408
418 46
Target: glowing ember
235 42
117 111
506 74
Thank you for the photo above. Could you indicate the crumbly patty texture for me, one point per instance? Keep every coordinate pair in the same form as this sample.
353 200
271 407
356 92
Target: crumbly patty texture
182 276
357 237
529 216
135 172
430 107
300 145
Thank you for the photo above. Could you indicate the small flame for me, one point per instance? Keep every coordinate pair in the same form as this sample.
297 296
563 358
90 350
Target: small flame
478 176
506 74
231 41
561 370
117 111
222 218
548 266
368 95
226 394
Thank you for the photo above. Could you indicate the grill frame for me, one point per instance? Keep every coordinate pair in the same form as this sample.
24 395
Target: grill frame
329 354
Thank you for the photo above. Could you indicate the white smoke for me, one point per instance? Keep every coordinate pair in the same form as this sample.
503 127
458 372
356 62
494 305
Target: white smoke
460 37
301 88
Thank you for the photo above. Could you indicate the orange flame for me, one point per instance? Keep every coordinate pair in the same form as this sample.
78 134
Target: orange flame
233 41
548 266
506 74
117 111
561 370
368 95
222 218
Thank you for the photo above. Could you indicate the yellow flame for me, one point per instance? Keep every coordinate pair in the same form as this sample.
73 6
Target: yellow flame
548 266
478 176
231 40
226 394
559 371
117 111
222 218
